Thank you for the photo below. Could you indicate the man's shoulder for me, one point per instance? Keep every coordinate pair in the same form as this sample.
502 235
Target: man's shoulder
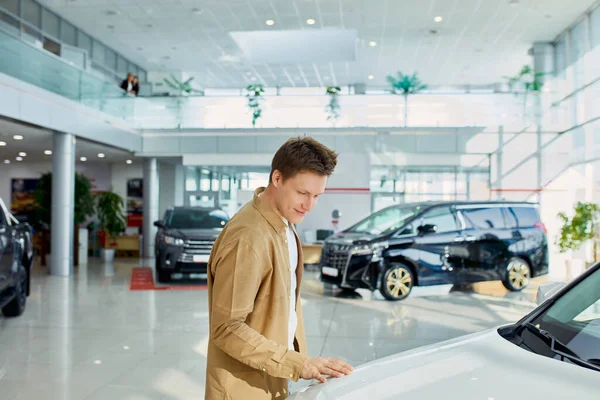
247 224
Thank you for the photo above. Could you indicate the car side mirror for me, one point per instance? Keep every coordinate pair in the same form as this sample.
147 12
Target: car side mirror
158 224
547 290
427 229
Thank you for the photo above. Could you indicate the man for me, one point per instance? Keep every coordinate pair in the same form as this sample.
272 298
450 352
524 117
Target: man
127 84
257 343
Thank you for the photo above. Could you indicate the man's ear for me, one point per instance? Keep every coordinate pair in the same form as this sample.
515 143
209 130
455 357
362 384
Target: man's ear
277 178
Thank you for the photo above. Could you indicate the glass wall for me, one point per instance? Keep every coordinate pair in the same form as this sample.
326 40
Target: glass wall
394 185
37 25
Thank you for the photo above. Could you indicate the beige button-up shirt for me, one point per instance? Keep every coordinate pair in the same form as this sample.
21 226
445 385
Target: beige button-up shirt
249 305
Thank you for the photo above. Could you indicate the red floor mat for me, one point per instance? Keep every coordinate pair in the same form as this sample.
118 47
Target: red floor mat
142 279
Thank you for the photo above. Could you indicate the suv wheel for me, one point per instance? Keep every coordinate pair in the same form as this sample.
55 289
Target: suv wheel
162 276
518 275
17 306
397 282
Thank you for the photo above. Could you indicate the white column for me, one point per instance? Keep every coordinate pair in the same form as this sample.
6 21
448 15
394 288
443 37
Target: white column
179 185
63 199
150 205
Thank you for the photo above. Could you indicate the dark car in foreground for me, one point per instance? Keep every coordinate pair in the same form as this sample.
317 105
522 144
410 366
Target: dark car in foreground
422 244
16 258
185 239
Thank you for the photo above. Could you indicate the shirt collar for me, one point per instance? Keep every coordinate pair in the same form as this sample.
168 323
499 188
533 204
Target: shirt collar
277 222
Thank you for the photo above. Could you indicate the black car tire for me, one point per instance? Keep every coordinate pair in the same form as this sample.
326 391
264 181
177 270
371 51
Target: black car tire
518 275
396 282
162 276
17 305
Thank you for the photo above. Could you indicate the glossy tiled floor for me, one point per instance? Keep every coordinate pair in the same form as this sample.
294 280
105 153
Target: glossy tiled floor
90 337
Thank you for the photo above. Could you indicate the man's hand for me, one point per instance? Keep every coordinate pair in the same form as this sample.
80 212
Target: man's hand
316 368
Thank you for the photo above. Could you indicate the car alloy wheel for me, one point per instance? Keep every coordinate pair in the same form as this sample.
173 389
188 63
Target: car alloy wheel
397 282
518 275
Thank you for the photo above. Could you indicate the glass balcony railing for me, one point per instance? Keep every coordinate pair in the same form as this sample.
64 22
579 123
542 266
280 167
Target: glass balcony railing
30 64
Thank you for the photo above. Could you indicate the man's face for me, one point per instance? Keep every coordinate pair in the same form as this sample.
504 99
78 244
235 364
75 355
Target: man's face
298 195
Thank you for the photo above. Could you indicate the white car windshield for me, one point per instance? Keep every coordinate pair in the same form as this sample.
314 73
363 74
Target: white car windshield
385 221
574 319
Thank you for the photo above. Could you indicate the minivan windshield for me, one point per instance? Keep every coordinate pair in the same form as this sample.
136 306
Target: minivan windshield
197 219
574 319
385 221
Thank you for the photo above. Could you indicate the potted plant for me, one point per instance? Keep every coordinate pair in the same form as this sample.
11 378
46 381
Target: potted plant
333 108
182 88
255 97
111 221
406 85
83 208
578 229
527 81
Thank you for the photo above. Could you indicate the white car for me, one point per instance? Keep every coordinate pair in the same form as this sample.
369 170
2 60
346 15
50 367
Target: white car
552 353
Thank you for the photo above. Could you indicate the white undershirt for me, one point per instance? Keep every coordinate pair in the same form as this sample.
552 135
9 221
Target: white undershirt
293 251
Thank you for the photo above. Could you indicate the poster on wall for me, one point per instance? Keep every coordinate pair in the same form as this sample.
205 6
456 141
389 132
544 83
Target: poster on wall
135 202
22 199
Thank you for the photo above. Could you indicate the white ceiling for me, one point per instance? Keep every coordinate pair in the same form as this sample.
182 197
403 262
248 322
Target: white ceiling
36 140
477 42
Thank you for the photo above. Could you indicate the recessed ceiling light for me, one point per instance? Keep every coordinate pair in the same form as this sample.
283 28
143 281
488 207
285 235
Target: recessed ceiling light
23 154
433 31
270 22
110 26
372 44
48 152
18 137
371 77
112 12
310 21
148 25
438 19
197 11
2 144
101 155
129 162
84 159
513 2
6 161
97 362
19 158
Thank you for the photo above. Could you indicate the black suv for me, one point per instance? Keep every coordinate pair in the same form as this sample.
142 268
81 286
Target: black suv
16 258
425 244
185 239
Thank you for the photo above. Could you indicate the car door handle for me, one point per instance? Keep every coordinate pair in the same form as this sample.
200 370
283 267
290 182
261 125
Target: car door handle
459 239
470 238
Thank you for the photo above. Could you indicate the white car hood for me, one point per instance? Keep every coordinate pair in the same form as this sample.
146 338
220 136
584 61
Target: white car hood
483 366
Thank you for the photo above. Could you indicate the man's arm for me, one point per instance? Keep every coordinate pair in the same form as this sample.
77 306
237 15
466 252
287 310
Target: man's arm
238 273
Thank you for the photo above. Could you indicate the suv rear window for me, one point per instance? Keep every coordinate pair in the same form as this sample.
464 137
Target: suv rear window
526 216
484 218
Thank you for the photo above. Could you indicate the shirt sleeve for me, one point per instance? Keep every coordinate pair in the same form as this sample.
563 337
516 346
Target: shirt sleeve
237 274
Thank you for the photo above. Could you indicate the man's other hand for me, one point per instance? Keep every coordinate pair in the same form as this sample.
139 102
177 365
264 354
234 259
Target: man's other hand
317 368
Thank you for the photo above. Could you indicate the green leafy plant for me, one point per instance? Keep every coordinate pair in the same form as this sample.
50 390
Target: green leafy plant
406 85
180 86
527 81
84 199
255 97
111 218
333 108
579 228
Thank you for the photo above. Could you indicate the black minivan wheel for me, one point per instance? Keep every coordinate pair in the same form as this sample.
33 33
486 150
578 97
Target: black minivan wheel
17 305
518 275
397 282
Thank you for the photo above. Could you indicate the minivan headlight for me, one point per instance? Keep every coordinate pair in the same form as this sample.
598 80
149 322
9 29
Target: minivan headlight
174 241
375 249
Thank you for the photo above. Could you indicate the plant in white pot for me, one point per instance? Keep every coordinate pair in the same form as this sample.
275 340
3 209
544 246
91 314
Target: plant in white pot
111 220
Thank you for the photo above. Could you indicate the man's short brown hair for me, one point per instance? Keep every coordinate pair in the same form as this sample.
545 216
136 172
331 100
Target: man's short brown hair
303 154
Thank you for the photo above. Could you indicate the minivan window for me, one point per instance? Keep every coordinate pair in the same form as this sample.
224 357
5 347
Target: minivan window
442 217
385 221
526 216
197 219
484 218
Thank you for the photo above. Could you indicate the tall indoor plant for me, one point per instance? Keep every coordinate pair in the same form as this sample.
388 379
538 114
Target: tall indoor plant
111 220
527 82
84 204
255 97
406 85
580 228
333 107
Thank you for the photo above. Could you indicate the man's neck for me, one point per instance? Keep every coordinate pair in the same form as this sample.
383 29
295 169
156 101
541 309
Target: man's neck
268 197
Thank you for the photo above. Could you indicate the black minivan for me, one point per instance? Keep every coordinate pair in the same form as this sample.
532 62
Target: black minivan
422 244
